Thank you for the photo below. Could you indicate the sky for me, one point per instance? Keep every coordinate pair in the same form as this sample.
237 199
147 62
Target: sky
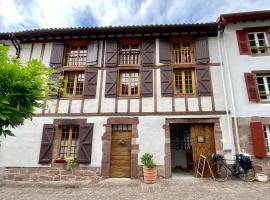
17 15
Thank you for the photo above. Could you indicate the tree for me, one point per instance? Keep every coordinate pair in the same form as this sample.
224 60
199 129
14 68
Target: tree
23 88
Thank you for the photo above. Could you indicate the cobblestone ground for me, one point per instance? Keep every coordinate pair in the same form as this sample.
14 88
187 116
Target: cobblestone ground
110 189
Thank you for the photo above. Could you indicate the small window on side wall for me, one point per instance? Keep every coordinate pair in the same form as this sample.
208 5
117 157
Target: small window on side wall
258 42
263 82
267 137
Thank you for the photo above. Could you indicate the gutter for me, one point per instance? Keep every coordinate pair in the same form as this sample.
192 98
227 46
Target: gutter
15 43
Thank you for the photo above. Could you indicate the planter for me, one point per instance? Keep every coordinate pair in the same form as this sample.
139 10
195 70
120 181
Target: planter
150 175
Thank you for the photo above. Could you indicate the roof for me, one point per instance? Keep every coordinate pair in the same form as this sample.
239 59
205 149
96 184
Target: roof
210 28
243 17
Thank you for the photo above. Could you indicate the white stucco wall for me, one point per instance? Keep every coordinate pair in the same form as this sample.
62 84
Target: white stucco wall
238 65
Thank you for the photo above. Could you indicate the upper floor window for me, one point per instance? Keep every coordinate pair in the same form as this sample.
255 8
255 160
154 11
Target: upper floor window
73 83
184 81
76 54
129 83
267 137
258 42
183 51
263 82
130 53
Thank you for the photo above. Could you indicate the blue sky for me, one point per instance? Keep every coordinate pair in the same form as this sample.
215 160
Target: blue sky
18 15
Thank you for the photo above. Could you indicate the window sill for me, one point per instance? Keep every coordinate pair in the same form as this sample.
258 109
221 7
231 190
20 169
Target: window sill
185 96
128 97
60 161
73 68
259 54
72 97
265 102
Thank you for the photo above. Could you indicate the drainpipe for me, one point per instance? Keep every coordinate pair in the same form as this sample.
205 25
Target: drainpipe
235 123
15 44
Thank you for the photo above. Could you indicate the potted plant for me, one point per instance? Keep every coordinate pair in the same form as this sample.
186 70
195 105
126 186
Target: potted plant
70 163
149 168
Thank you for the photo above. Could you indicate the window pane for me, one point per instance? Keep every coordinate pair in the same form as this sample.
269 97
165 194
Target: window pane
188 82
80 82
178 82
251 36
260 36
134 83
125 83
70 83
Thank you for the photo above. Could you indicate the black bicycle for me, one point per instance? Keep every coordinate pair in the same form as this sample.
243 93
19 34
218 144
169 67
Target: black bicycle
242 168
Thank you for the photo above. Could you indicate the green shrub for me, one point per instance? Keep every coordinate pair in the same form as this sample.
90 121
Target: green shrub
70 163
147 160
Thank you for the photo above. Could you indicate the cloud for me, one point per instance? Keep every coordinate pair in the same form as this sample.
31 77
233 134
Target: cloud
17 15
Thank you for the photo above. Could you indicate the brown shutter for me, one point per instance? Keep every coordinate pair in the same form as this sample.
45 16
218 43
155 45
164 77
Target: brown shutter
111 82
148 52
147 82
243 43
204 86
258 139
111 53
92 53
166 77
164 51
55 78
57 55
85 143
201 50
90 84
45 155
252 87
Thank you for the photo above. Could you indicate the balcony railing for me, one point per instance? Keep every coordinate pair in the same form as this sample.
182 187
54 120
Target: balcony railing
76 59
183 56
132 57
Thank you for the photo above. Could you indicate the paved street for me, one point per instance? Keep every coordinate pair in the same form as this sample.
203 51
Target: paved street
110 189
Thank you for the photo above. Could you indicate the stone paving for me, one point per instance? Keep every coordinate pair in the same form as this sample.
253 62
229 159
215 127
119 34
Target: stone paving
109 189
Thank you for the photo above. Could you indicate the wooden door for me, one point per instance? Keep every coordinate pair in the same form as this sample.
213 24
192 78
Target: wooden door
203 143
120 154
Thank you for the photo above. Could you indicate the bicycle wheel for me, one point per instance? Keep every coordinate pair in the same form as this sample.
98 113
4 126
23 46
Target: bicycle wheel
246 175
220 172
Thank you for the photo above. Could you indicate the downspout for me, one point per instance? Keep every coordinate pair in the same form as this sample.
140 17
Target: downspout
15 44
235 123
224 88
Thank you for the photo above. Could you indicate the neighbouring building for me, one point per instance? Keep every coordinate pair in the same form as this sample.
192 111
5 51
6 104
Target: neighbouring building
176 91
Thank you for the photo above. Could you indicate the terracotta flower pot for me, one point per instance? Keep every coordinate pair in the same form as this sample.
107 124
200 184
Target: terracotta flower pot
150 175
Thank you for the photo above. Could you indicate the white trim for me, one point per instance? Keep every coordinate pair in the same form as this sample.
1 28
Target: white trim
267 138
266 87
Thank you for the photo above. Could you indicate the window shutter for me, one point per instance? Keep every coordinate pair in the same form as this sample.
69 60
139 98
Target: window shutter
85 143
243 43
55 78
166 77
147 82
57 55
90 84
148 52
164 51
252 87
92 53
45 155
111 82
204 86
257 134
201 50
111 53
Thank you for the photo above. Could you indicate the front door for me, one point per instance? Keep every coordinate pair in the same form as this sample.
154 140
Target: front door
120 154
203 143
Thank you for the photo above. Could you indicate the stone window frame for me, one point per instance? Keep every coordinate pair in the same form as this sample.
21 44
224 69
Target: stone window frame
167 145
106 145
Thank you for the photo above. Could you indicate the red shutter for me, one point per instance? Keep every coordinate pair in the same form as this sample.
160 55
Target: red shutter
252 87
258 139
243 44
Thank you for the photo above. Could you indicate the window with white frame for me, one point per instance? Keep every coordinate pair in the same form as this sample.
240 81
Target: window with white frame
267 137
264 86
258 42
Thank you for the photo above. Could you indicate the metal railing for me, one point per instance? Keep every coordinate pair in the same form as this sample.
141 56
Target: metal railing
180 56
132 57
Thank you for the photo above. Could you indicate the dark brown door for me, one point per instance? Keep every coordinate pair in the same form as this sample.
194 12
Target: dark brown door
203 143
120 154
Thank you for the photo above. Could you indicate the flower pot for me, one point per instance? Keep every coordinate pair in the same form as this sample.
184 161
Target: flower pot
150 175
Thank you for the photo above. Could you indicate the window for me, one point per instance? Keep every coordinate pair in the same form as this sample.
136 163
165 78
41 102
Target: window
258 42
130 53
73 83
264 86
183 51
76 55
267 137
68 141
184 81
129 83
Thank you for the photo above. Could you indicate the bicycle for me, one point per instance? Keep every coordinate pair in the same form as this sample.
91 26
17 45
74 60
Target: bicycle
242 168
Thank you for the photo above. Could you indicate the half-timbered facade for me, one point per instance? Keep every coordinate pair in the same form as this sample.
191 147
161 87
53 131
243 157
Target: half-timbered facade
126 91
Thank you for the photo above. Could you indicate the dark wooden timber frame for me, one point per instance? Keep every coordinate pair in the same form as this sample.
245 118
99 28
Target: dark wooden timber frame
106 145
167 145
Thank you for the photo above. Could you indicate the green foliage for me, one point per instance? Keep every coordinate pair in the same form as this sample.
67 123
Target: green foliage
23 87
70 163
147 160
